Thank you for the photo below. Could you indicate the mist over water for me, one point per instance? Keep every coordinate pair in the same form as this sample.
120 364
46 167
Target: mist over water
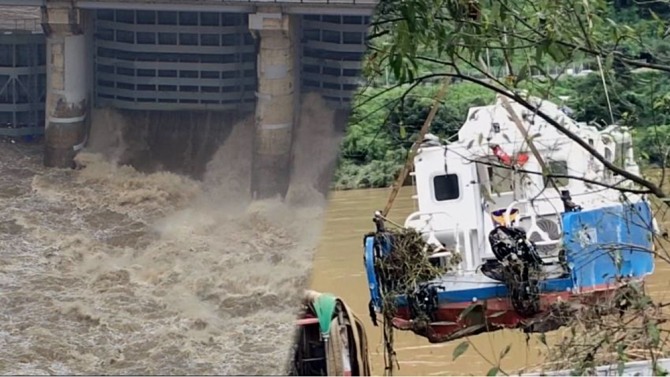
114 270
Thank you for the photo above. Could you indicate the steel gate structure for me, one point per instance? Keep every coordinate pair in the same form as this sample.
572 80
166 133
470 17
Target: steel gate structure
22 81
149 59
332 53
172 60
167 60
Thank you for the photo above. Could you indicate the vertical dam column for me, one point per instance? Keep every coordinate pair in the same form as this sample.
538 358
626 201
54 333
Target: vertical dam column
275 104
66 102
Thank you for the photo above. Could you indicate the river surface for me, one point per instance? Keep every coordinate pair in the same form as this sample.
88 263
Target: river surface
107 270
338 268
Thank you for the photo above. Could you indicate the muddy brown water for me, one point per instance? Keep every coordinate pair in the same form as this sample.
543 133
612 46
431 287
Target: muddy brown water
110 270
338 268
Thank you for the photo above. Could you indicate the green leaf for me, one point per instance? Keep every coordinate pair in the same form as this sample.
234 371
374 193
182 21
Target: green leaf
505 351
493 371
523 74
654 334
402 131
468 310
409 20
556 51
460 349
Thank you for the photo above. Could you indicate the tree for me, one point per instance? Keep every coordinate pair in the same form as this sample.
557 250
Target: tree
453 36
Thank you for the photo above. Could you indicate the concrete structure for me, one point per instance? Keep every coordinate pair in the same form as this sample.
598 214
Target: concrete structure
276 98
200 55
67 91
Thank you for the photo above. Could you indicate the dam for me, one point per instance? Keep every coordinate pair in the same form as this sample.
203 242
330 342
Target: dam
250 62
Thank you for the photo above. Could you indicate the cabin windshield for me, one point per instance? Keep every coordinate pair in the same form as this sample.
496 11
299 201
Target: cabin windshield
558 169
498 182
501 179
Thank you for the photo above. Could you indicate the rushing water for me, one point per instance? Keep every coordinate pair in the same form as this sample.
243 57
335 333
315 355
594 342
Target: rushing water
338 268
109 270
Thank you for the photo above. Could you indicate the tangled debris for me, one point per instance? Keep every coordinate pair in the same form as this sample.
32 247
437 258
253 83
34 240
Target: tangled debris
409 264
402 272
624 327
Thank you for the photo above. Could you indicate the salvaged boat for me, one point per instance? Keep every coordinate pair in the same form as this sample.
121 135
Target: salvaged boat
330 341
517 223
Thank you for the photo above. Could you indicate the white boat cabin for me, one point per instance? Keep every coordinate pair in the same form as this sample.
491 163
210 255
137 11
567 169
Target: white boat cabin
459 185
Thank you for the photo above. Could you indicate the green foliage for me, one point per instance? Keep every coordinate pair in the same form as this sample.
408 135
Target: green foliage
460 349
653 144
524 34
414 40
384 125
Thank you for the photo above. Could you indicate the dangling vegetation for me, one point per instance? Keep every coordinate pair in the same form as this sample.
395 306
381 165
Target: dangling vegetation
409 263
401 273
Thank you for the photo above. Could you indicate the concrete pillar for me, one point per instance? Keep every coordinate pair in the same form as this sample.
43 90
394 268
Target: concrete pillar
276 101
67 90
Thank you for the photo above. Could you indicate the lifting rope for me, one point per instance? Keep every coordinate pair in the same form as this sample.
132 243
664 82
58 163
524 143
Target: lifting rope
415 147
524 132
389 352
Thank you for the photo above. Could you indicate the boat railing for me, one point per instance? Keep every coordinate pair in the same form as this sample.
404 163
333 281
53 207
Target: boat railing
533 228
428 217
417 216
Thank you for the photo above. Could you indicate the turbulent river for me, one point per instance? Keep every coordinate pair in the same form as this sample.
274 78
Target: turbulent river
116 270
110 270
107 270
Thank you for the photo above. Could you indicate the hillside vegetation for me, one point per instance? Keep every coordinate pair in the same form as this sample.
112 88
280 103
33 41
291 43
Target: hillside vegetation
386 117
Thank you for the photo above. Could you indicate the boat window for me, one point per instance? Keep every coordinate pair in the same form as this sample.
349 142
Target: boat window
558 168
608 154
496 179
502 179
446 187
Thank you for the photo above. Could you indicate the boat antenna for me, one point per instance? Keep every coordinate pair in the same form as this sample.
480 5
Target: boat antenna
607 96
415 147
